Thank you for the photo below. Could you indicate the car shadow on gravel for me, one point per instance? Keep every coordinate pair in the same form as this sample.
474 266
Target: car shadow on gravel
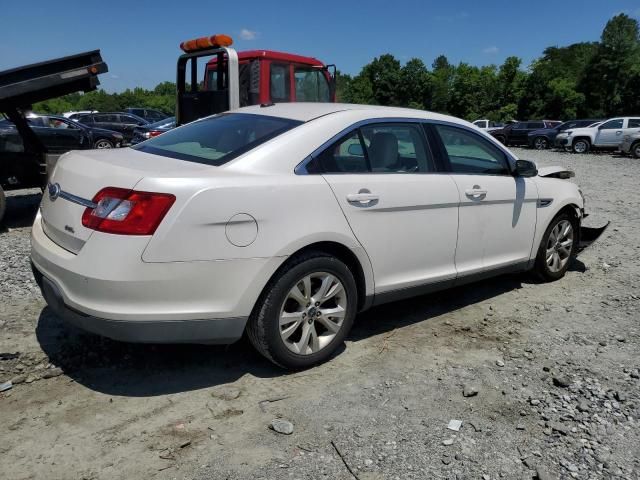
21 210
144 370
391 316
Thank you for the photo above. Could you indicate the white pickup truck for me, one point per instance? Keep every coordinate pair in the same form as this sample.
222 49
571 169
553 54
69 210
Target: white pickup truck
607 135
484 124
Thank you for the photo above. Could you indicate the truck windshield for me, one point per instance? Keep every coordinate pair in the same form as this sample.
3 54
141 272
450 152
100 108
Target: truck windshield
219 139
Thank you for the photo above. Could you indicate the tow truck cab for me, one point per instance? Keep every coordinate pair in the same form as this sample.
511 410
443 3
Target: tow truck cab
237 79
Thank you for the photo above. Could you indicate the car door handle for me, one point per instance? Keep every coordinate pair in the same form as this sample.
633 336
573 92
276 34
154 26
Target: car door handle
619 132
476 193
363 198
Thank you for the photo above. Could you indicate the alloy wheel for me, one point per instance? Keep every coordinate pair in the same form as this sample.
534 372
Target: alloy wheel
559 246
541 143
313 313
103 144
580 146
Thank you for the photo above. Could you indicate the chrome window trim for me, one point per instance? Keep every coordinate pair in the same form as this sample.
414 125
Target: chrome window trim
301 168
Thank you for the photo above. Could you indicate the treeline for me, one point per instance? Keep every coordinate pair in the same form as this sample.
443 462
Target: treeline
162 97
587 80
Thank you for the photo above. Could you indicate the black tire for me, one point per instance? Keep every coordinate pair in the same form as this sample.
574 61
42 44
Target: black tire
501 139
580 145
541 269
635 150
263 327
3 204
103 143
540 143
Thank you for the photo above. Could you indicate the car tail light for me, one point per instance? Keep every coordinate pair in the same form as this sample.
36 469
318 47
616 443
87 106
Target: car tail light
152 133
127 212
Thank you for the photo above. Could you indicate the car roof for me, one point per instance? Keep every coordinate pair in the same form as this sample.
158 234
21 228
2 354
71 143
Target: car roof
305 112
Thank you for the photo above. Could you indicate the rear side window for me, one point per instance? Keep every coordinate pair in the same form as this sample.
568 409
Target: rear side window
470 153
377 148
536 125
217 140
634 123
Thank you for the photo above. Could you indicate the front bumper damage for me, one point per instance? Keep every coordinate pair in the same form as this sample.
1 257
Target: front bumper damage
588 235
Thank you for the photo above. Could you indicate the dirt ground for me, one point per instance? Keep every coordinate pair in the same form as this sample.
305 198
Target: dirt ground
544 378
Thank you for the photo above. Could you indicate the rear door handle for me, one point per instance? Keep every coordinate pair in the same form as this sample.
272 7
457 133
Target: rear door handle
363 198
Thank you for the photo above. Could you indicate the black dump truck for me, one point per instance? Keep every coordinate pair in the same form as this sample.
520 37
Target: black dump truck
26 165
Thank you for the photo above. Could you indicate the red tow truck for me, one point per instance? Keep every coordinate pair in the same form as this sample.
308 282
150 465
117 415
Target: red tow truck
237 79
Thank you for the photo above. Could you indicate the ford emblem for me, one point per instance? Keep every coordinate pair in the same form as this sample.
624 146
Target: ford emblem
54 191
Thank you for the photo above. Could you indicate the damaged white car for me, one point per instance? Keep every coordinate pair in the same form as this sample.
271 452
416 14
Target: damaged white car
285 221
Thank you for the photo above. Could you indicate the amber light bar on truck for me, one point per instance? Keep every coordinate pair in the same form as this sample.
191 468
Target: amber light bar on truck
203 43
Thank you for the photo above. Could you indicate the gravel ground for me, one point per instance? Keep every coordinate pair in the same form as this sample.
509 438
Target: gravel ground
543 377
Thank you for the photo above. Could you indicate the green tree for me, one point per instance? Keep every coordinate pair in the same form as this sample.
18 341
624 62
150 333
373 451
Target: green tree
610 75
443 73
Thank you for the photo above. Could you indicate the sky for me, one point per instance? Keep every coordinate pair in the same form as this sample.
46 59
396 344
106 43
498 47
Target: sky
140 39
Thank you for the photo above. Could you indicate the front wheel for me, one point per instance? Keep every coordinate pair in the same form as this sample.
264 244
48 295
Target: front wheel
305 313
540 143
581 145
557 248
103 143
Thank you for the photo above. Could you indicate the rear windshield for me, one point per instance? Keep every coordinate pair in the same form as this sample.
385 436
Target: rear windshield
217 140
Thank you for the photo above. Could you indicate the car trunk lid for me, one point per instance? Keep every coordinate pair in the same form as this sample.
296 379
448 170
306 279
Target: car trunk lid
79 175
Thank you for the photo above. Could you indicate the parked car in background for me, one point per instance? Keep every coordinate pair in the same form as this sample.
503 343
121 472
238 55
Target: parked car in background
561 138
631 144
517 133
125 123
196 235
149 114
485 124
59 135
140 134
545 138
73 115
606 136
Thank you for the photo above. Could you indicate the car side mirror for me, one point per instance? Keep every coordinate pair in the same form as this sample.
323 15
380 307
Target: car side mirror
355 149
525 168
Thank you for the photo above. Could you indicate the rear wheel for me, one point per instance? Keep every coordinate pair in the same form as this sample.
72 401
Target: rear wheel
635 150
557 247
102 143
581 145
305 313
541 143
3 204
501 139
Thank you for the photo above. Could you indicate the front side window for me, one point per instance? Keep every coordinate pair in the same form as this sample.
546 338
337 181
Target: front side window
217 140
472 154
311 85
612 124
377 148
535 125
280 88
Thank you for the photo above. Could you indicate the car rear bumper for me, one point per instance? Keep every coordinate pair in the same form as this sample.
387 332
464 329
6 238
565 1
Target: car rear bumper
209 331
106 288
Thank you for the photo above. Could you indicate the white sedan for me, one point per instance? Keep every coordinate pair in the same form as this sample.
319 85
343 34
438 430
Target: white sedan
285 221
